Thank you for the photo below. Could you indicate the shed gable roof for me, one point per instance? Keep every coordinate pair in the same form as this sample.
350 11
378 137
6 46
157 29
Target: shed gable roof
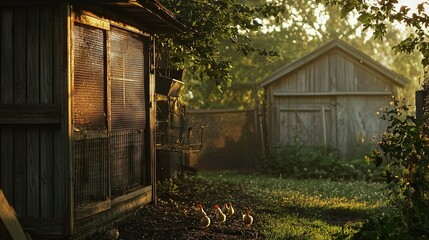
367 62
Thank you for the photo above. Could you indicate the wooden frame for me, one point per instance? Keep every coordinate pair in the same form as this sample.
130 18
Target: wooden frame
30 114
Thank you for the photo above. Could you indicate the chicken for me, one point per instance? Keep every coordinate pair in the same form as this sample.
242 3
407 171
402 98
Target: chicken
228 209
219 215
112 234
225 208
205 221
247 218
199 211
231 210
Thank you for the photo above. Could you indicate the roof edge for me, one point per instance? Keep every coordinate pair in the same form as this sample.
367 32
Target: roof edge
336 43
157 8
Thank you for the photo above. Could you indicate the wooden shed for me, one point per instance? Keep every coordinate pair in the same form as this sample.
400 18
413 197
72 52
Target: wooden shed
329 98
77 110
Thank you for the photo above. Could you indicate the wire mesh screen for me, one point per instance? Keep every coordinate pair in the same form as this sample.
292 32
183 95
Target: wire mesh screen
91 171
127 72
89 87
127 154
179 140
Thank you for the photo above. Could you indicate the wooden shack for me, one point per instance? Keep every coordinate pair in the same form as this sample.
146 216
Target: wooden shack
77 110
329 98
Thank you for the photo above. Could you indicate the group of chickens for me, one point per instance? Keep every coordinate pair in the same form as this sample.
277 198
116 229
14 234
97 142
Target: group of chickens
220 214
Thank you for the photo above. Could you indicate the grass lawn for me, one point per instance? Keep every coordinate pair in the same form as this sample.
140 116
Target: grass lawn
304 209
282 208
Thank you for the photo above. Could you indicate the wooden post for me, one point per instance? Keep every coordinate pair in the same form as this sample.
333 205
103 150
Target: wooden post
152 119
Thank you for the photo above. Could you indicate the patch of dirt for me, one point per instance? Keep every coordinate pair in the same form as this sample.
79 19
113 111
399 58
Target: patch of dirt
174 215
166 221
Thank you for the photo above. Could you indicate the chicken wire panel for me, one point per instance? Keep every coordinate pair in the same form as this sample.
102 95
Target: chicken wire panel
128 161
188 140
91 171
89 78
128 74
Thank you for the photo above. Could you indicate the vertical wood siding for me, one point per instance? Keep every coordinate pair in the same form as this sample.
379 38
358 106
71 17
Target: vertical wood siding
32 47
350 121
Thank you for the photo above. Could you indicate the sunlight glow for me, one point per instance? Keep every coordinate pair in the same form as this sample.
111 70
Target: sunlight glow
412 4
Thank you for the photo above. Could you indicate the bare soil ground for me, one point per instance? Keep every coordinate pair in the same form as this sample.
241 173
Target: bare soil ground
173 217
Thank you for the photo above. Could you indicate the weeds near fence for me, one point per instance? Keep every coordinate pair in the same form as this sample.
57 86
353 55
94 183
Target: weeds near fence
317 162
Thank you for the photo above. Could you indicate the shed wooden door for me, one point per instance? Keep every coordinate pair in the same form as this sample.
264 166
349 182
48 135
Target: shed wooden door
305 127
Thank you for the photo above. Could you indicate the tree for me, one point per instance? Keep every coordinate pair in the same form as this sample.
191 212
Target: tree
233 51
283 37
211 22
377 14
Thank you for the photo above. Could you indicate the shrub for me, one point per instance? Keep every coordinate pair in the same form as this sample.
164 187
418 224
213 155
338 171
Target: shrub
404 151
316 162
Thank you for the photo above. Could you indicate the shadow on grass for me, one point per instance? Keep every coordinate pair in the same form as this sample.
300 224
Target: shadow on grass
333 216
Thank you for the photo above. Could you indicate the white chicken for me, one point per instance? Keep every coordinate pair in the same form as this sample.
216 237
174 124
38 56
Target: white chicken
219 215
228 209
199 211
205 221
247 218
231 210
225 208
112 234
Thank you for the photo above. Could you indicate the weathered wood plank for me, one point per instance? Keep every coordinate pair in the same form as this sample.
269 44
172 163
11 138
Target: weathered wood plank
92 210
33 173
20 97
332 73
46 96
33 56
46 168
120 208
33 159
63 165
29 113
46 226
6 97
59 82
310 94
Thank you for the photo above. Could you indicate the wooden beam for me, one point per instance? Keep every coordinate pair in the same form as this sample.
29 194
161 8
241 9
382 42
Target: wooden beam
303 109
92 210
142 191
9 220
314 94
29 113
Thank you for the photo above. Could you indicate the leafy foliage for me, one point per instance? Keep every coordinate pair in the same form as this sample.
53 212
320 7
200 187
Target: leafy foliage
212 22
304 27
377 14
404 148
317 162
